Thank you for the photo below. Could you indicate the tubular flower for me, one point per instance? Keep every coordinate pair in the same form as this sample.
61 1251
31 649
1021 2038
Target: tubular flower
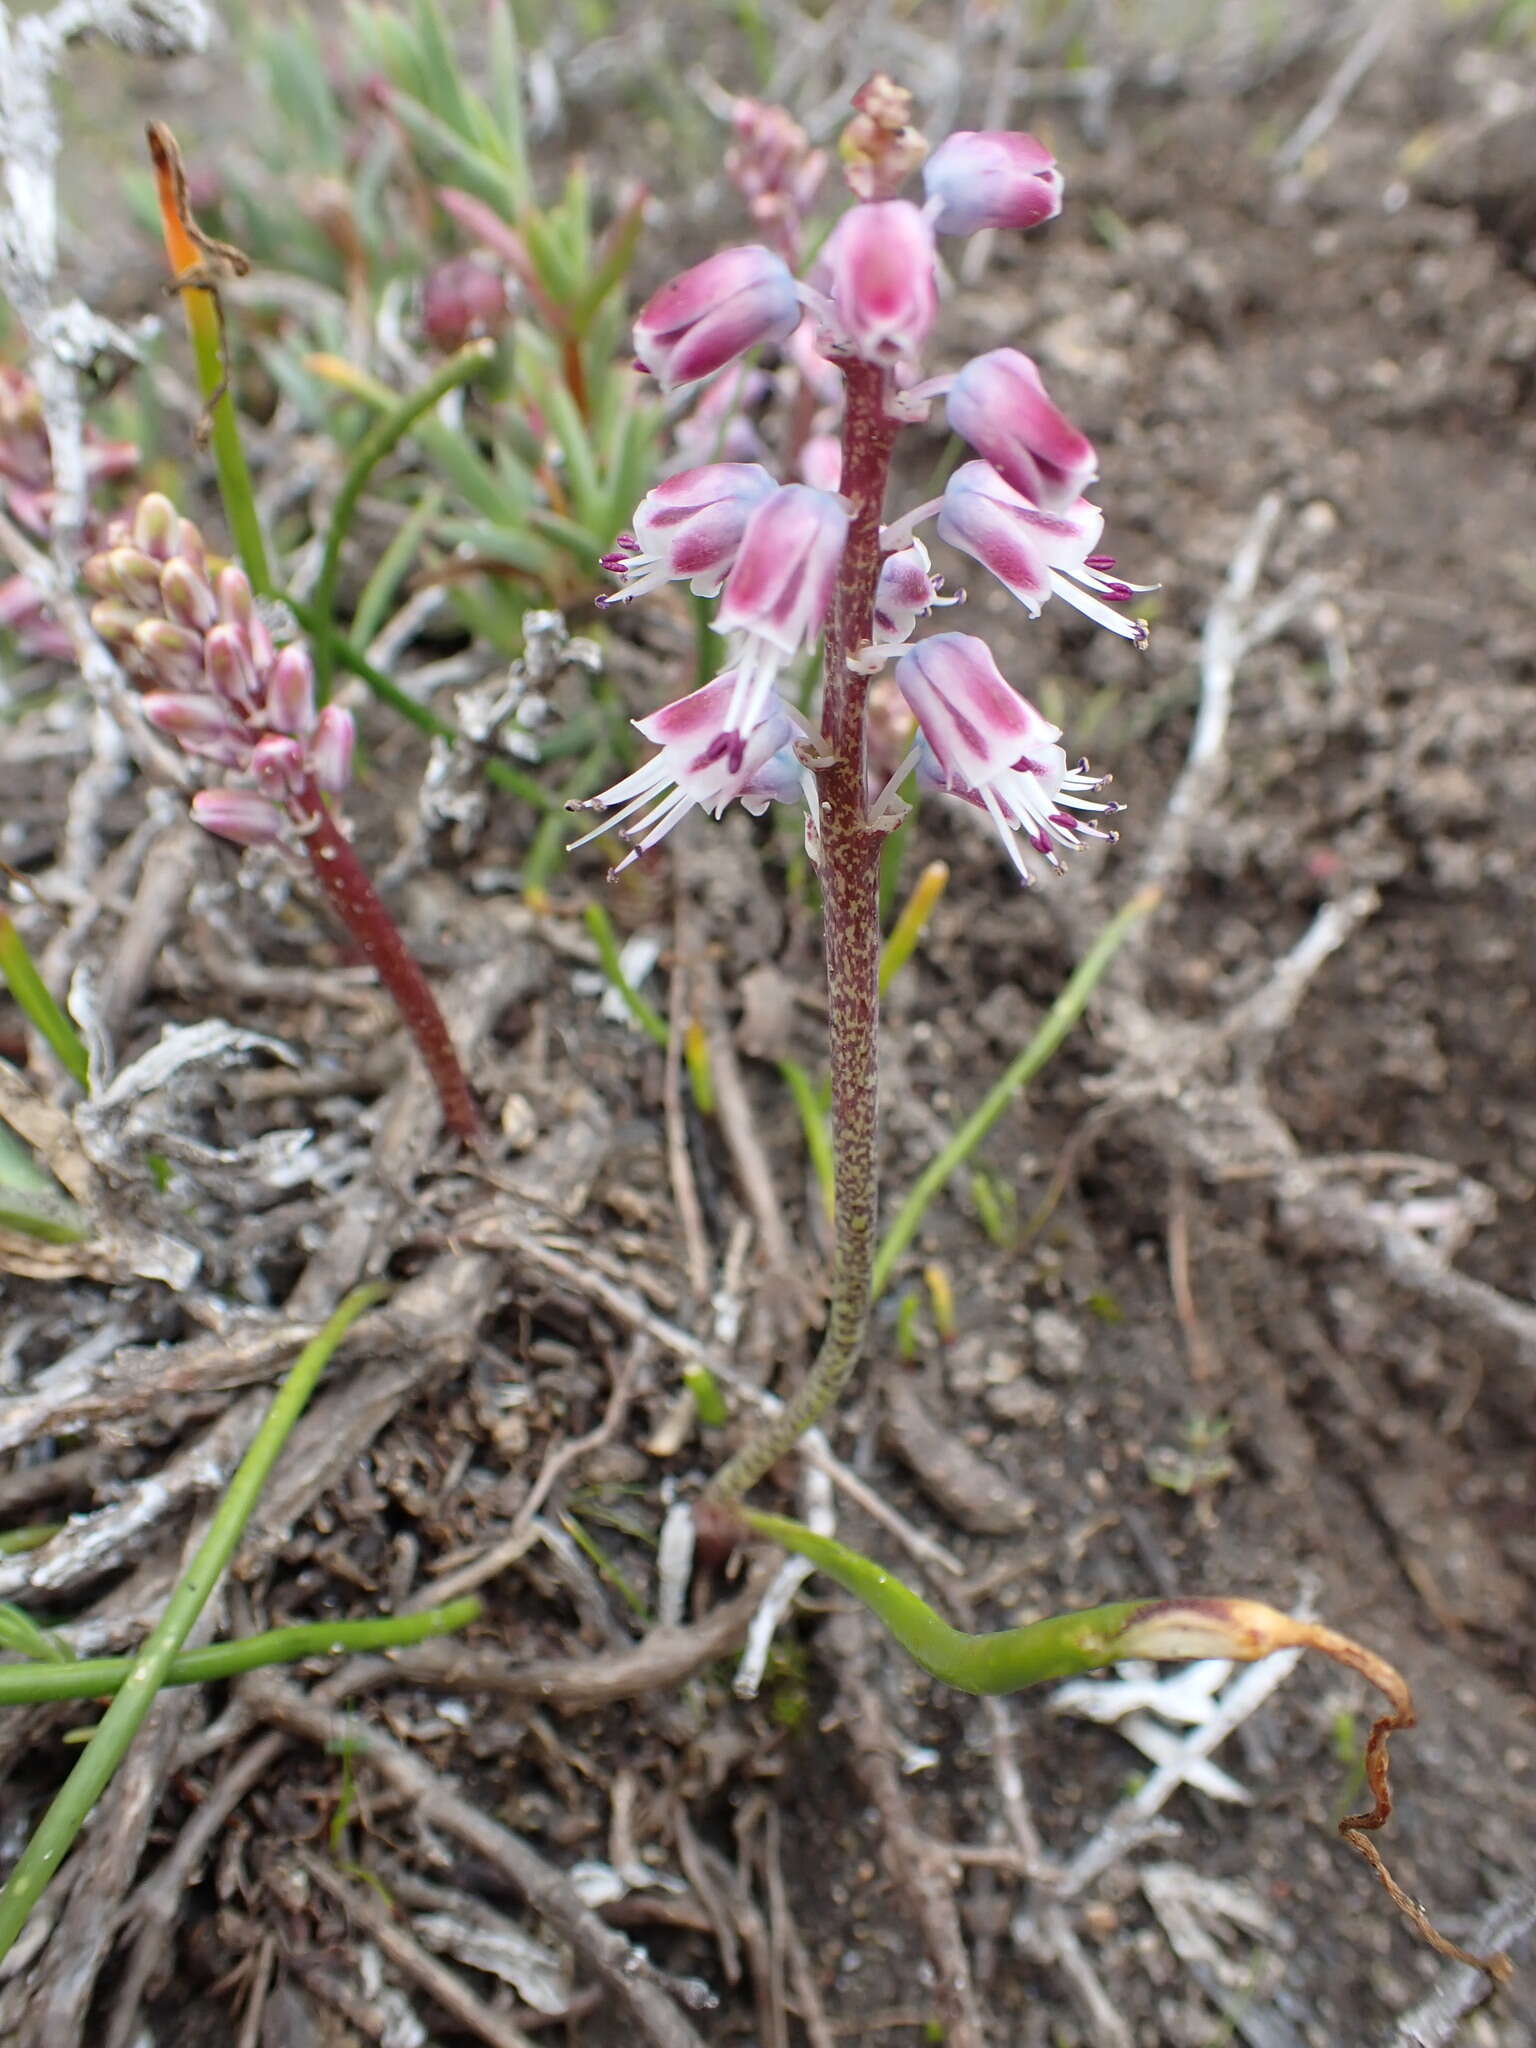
877 267
906 592
218 687
704 764
689 527
1036 554
980 178
777 595
715 312
983 742
998 404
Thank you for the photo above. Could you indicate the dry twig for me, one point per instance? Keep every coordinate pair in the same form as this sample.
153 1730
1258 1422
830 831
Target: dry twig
625 1970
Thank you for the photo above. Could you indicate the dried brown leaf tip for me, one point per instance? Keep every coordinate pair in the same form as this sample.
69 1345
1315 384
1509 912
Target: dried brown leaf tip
1246 1630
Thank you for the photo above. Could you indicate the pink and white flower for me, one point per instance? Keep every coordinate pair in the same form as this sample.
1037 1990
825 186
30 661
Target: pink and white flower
998 403
906 592
688 528
701 766
987 178
981 741
879 271
707 317
777 595
1036 554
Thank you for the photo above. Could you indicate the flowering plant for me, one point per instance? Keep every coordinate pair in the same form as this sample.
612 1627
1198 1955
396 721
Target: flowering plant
819 557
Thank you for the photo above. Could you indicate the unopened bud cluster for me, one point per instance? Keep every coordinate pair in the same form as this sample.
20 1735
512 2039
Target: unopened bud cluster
214 681
27 494
773 553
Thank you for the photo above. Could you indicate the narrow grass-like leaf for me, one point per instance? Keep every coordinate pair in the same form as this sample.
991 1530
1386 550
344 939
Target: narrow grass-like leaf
389 572
56 1832
908 928
600 927
93 1677
380 438
38 1006
206 330
813 1121
31 1200
1022 1069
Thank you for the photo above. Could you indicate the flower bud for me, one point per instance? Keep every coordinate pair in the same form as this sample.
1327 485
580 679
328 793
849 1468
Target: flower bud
461 300
186 596
238 814
230 670
998 404
278 764
173 654
990 179
878 268
115 619
156 526
907 591
290 693
738 300
330 749
200 725
237 607
133 575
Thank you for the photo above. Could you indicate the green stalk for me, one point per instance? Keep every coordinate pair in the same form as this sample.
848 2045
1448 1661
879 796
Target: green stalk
25 1685
380 438
813 1122
600 927
38 1006
147 1670
1059 1019
1003 1660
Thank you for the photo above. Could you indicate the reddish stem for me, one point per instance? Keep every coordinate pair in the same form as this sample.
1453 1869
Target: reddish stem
850 889
356 902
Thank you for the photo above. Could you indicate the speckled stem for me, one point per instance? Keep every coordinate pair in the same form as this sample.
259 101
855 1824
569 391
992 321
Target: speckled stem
356 902
850 886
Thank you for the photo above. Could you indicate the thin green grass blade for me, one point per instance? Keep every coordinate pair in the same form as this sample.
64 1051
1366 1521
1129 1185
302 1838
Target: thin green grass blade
56 1832
1059 1019
380 438
38 1006
94 1677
